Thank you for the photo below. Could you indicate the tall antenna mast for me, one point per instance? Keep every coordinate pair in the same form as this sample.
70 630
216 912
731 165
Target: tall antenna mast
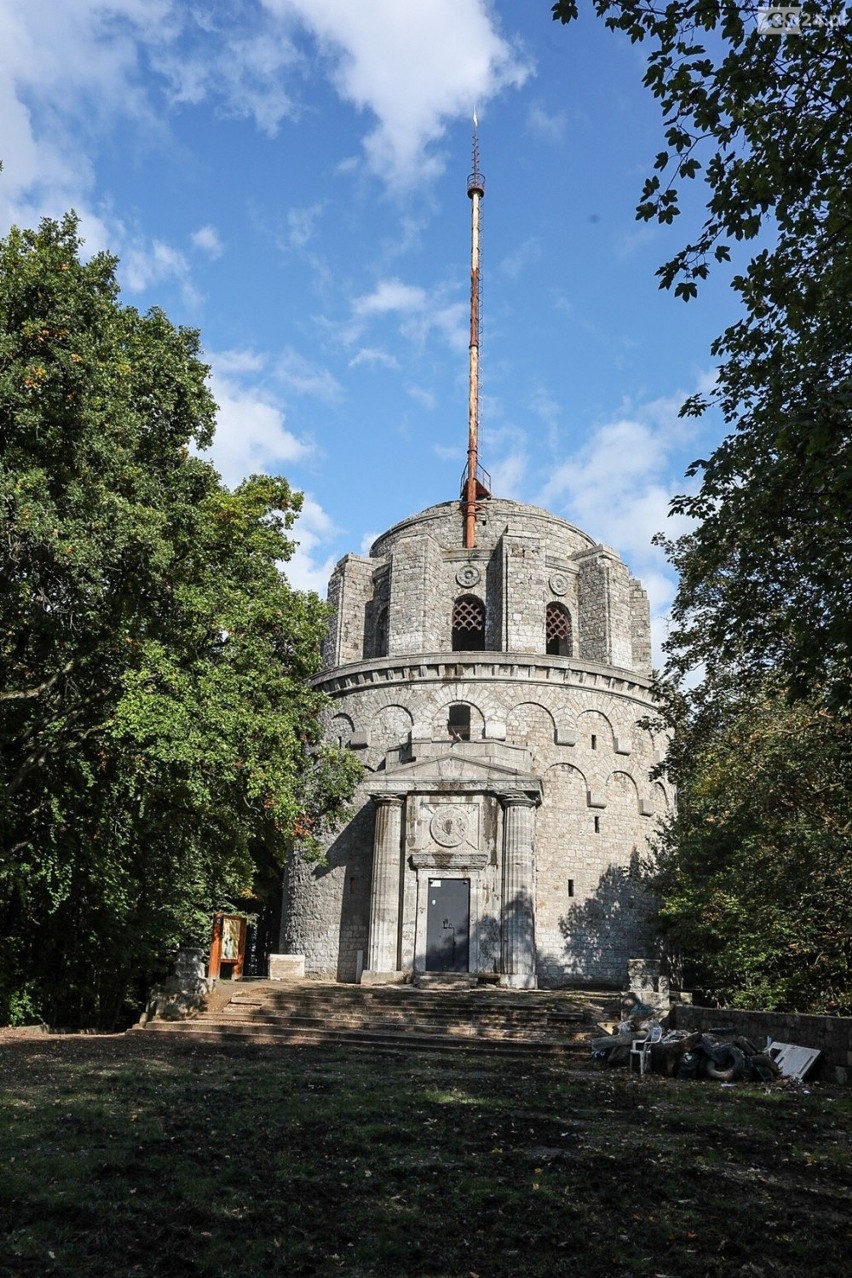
472 487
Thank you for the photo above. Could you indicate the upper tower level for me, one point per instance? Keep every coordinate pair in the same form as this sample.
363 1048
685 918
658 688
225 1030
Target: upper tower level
533 583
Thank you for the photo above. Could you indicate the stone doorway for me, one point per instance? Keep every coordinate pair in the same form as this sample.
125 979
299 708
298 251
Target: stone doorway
448 926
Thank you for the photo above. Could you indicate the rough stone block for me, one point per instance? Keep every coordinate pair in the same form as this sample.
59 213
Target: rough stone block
382 978
286 967
566 736
596 798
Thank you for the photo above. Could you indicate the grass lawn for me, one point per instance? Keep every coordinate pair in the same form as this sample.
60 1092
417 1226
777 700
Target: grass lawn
134 1155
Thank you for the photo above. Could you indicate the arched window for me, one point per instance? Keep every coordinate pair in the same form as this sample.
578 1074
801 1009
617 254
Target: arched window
468 624
458 722
558 630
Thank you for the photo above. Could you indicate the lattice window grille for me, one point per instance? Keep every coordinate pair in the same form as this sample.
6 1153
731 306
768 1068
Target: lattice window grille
468 614
558 623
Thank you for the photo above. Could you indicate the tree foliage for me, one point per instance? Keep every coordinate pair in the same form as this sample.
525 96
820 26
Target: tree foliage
767 121
159 739
753 870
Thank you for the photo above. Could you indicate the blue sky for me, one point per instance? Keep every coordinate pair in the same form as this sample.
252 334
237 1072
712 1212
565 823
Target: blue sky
289 176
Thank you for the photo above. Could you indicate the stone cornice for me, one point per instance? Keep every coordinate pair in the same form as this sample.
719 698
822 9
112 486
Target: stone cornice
519 669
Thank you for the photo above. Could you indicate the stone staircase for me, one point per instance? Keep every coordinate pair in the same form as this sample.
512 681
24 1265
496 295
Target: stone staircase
389 1018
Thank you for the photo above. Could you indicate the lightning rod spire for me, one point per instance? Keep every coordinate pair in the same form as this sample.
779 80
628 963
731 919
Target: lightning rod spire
472 488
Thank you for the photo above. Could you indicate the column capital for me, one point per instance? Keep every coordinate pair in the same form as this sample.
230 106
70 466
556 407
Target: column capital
519 799
389 799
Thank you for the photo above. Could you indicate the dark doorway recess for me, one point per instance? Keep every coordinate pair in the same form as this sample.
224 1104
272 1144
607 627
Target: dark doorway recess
448 925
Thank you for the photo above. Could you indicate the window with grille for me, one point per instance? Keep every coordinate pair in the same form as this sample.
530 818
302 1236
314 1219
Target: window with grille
558 630
468 624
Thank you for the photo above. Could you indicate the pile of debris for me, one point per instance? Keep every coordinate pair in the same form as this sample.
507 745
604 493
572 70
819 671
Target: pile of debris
642 1043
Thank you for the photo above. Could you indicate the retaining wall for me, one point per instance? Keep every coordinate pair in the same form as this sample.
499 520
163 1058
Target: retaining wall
831 1034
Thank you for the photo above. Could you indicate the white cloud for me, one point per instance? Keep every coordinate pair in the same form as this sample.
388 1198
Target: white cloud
629 242
247 62
549 411
418 313
618 485
367 543
549 125
68 72
206 238
507 474
515 262
306 378
234 363
251 437
301 224
423 396
390 296
145 264
313 530
414 66
372 355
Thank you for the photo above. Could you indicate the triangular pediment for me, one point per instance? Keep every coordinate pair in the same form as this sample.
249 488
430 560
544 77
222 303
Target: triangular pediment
461 772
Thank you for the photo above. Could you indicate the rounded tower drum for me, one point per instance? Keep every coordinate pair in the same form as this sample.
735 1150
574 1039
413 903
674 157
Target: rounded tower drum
494 694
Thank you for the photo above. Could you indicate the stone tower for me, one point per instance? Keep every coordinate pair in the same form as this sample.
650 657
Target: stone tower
490 665
494 695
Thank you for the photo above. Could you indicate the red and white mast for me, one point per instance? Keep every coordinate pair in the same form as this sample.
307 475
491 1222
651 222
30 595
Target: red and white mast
472 487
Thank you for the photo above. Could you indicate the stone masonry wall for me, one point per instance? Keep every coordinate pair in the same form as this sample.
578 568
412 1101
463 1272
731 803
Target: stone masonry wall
580 726
521 552
640 627
524 592
349 593
576 716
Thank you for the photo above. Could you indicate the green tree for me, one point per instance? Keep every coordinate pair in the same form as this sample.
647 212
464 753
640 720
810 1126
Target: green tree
159 738
753 870
764 577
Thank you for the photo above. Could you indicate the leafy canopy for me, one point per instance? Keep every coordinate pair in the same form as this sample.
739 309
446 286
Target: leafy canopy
767 122
753 870
159 739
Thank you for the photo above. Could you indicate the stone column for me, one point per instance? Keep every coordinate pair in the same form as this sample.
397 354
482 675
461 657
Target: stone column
518 920
383 949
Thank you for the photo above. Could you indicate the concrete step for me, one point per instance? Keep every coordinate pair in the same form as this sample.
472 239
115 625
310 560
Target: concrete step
270 1035
469 1030
408 1012
390 1018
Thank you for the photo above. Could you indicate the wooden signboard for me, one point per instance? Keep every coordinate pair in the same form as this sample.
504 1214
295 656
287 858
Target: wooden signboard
227 947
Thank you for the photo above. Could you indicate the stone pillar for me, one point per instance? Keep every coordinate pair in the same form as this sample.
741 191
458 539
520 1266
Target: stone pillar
383 948
518 920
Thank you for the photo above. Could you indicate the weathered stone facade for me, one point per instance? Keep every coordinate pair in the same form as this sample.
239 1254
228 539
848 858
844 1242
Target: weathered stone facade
494 696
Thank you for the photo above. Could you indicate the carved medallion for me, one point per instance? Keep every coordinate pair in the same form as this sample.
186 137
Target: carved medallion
559 583
449 825
468 576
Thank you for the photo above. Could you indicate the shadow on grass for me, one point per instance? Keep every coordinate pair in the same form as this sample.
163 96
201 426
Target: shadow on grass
130 1156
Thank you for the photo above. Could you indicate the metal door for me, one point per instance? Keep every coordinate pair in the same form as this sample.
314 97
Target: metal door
448 925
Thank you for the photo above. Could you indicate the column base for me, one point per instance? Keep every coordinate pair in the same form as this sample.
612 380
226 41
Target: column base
517 981
383 978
